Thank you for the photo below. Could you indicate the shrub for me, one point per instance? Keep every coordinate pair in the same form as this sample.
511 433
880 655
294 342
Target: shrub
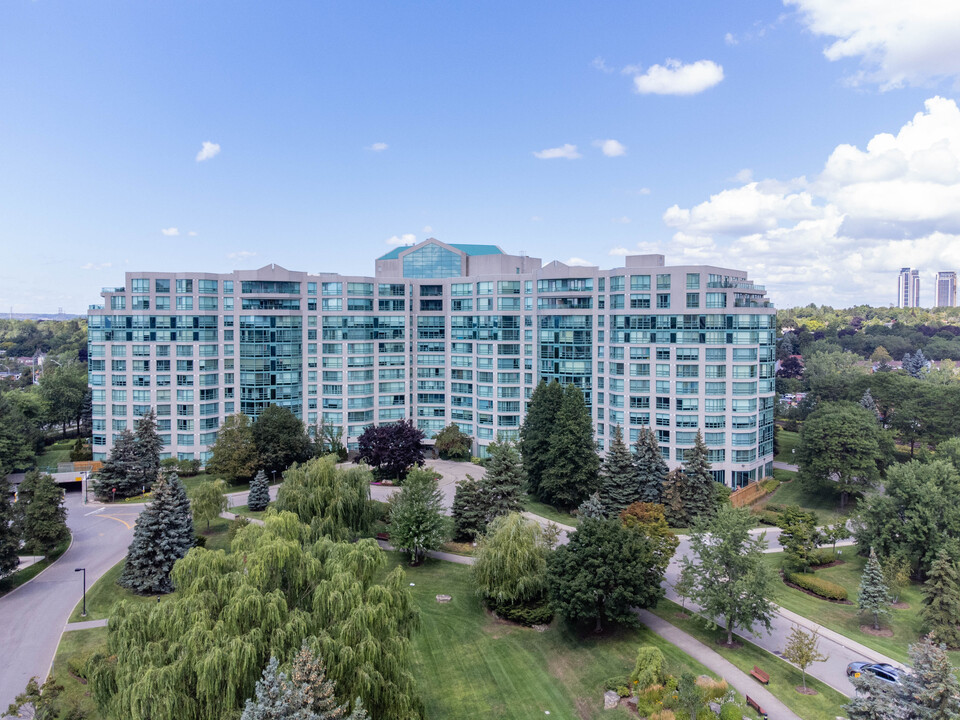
648 668
822 556
706 714
236 524
818 586
663 715
731 711
199 541
768 517
712 689
77 664
652 694
539 613
612 683
775 507
769 484
623 691
188 468
645 708
482 462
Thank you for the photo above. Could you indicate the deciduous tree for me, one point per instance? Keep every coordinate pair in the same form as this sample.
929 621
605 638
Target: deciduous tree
416 516
9 531
732 581
162 535
799 537
280 439
451 443
208 500
603 573
391 450
536 431
572 461
801 649
234 452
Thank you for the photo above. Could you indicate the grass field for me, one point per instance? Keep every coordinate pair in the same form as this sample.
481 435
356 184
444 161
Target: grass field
845 619
474 666
783 676
78 644
788 441
247 512
57 453
531 504
12 582
792 492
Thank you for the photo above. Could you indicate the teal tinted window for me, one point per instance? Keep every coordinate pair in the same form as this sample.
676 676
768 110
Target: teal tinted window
431 261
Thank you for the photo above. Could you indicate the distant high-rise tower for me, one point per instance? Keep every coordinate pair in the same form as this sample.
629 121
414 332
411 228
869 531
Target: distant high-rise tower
946 289
908 288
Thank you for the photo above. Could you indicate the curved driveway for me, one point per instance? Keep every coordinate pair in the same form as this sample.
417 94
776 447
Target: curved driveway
32 616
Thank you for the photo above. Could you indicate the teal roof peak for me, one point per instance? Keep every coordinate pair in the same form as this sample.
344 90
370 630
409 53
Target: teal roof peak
470 250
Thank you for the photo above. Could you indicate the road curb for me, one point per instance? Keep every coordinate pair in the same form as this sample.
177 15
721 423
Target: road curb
42 571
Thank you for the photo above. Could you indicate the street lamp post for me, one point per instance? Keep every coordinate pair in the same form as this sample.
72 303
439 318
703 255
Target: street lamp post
84 571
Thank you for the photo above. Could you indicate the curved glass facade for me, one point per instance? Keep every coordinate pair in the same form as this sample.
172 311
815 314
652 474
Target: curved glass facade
431 261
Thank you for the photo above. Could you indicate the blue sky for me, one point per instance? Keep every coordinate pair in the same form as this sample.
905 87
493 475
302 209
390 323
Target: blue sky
741 138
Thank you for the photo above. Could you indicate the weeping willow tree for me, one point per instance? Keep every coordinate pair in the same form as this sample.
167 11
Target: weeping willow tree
198 656
334 501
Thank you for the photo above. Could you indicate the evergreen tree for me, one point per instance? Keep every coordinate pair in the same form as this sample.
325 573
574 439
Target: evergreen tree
931 687
207 501
592 508
147 447
234 452
504 479
259 496
572 462
651 468
119 477
9 531
273 695
941 601
44 519
469 513
163 534
416 516
700 488
604 573
309 676
873 596
619 486
915 364
874 699
868 403
536 431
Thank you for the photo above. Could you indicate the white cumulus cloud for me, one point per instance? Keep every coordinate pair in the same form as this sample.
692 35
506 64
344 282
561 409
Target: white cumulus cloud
566 151
240 255
579 262
405 239
378 147
611 148
598 63
839 236
622 220
170 232
897 43
208 150
192 233
675 78
96 266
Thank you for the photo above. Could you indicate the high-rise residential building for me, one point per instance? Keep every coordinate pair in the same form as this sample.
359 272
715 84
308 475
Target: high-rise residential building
443 334
946 289
908 288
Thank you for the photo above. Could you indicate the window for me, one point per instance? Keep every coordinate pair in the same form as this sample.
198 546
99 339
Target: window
208 287
693 281
161 286
663 282
693 300
185 286
484 288
359 288
118 302
184 302
639 282
716 300
140 285
617 283
332 288
163 302
431 261
663 300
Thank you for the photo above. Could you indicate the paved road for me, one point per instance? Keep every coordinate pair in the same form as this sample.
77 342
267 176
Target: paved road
34 614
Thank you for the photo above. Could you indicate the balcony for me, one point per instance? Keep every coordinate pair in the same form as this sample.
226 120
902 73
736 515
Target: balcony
112 290
741 303
736 284
94 307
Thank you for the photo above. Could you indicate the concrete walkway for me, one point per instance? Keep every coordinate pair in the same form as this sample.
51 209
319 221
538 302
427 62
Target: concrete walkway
738 679
777 465
85 625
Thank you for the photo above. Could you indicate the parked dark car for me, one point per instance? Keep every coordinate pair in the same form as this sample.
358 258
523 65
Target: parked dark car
882 671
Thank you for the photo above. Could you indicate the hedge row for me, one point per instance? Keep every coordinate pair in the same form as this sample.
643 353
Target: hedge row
818 586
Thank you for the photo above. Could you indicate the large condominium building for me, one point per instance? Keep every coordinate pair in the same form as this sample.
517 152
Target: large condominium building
443 334
908 288
946 289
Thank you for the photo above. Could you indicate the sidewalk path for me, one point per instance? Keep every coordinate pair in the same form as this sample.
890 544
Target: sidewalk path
85 625
777 465
740 681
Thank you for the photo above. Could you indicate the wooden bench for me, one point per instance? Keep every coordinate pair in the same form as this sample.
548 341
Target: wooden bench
756 706
760 675
383 536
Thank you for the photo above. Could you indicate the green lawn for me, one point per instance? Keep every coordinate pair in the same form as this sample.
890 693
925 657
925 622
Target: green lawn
792 492
78 644
531 504
788 441
104 594
57 453
247 512
473 666
12 582
783 676
845 619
